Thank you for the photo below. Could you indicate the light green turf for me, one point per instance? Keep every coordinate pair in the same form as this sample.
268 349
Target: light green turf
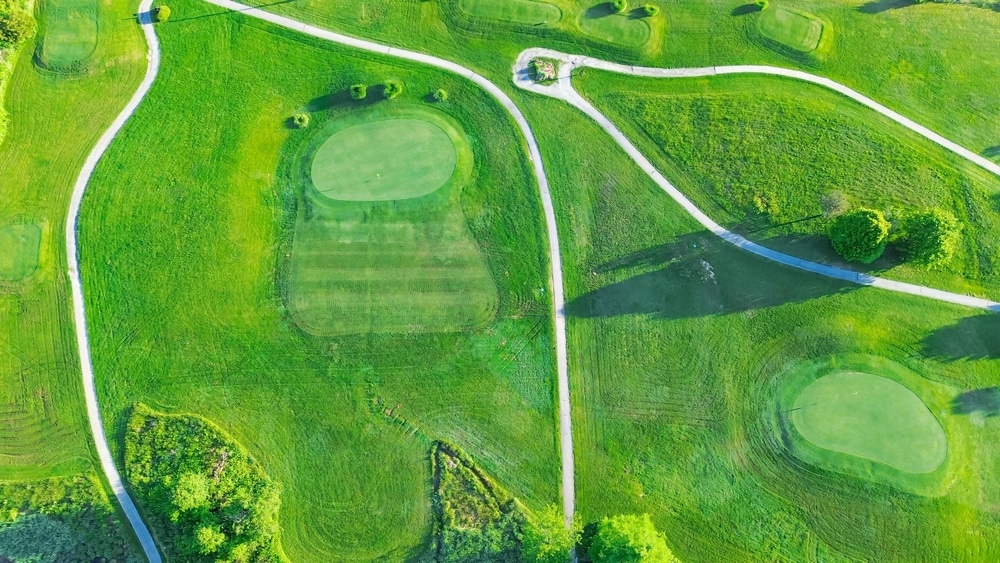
19 251
69 33
384 160
871 417
528 12
797 30
619 29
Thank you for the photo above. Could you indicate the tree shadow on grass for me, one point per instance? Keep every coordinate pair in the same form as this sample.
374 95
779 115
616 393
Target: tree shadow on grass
745 9
817 248
341 98
879 6
602 10
994 151
698 275
971 338
985 401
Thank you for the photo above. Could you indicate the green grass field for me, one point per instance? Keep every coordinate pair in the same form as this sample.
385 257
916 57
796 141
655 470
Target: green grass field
869 416
761 162
351 164
69 33
193 316
527 12
19 257
621 29
797 30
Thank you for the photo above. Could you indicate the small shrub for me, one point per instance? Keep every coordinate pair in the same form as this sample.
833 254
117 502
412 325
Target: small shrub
860 235
650 10
440 95
359 92
301 120
629 537
393 88
929 237
619 6
16 26
162 13
761 5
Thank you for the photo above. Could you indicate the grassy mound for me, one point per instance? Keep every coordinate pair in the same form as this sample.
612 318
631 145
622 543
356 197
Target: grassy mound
526 12
20 255
408 265
69 33
796 30
600 22
384 160
871 417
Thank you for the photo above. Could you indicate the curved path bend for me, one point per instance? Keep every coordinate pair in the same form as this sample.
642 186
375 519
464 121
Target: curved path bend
79 316
562 88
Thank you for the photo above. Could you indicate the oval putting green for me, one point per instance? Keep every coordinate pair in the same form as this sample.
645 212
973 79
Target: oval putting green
19 251
70 32
871 417
619 29
527 12
384 160
797 30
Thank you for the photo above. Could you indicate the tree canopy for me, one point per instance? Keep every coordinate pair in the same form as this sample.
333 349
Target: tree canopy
546 539
860 235
15 25
629 538
930 237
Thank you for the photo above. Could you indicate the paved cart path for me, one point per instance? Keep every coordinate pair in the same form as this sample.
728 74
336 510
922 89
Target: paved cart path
562 88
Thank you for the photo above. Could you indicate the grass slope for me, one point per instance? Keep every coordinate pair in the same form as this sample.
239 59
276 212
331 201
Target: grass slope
191 316
760 163
676 376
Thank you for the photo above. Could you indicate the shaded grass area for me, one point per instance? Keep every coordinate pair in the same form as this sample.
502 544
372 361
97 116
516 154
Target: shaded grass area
792 29
527 12
69 33
761 164
673 404
600 22
19 257
191 316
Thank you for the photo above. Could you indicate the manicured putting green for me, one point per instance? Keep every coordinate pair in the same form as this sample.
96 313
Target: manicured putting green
619 29
527 12
69 34
797 30
19 251
384 160
871 417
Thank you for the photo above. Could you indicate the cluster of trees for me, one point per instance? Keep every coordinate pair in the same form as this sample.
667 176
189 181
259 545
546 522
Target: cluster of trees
621 6
928 237
206 498
625 538
16 24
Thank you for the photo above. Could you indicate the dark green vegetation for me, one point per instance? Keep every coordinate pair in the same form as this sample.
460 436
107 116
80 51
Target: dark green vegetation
16 24
860 235
68 35
60 519
680 350
381 244
20 257
193 317
763 164
869 416
629 538
203 494
930 237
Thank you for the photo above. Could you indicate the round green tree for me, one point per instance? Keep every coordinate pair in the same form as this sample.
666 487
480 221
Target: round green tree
440 95
629 538
860 235
650 10
619 6
930 237
546 539
15 27
359 92
393 88
162 13
300 120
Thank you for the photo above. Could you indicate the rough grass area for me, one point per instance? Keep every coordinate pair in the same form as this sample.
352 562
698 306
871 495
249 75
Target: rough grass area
758 154
791 28
382 160
191 316
869 416
68 33
19 256
601 23
526 12
61 519
676 377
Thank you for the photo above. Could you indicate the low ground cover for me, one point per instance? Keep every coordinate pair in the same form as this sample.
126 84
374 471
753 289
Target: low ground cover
763 163
527 12
20 243
193 316
68 34
796 30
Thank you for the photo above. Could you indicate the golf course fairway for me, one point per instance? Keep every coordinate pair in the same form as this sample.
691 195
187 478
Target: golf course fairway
871 417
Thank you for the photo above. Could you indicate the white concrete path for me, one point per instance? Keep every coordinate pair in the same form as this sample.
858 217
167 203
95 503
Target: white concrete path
79 316
563 89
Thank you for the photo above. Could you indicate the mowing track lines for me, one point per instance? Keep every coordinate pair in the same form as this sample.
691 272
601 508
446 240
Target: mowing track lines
563 90
555 261
79 315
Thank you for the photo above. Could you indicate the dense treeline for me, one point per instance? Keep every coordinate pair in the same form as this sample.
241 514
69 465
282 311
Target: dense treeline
204 496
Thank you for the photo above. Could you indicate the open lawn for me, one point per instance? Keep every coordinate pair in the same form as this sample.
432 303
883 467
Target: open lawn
602 23
69 33
195 316
869 416
19 256
797 30
758 154
527 12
